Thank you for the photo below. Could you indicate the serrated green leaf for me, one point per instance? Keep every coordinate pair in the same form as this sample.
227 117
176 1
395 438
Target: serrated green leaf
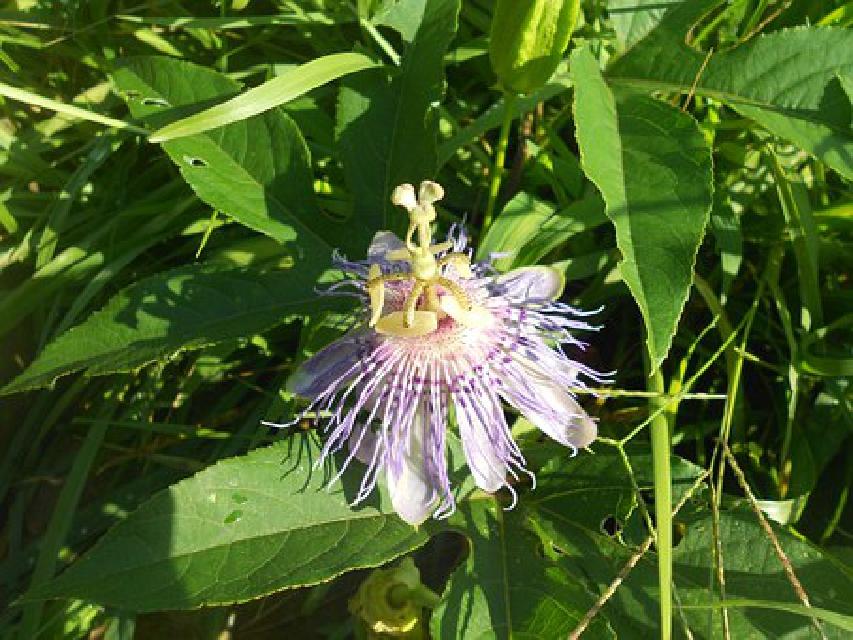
241 529
291 84
833 618
507 588
653 168
186 308
788 81
592 488
754 572
257 171
387 126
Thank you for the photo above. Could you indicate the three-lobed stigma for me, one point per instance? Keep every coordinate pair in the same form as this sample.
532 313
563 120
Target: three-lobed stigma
433 295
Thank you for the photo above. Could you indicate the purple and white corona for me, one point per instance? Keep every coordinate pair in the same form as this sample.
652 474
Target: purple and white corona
444 341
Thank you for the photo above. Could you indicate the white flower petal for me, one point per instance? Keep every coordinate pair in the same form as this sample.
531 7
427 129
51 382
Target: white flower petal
488 470
552 409
316 374
412 494
362 443
532 283
384 242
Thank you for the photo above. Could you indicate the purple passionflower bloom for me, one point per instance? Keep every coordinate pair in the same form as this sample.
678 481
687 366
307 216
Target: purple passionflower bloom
442 337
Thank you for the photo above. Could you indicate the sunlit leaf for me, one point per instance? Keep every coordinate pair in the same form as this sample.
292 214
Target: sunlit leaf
186 308
257 171
653 168
242 528
528 228
789 81
272 93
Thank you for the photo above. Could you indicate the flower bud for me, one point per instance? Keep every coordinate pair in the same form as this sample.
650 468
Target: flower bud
390 602
528 40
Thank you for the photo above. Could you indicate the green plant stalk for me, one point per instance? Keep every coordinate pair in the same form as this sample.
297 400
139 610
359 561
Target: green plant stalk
500 158
663 499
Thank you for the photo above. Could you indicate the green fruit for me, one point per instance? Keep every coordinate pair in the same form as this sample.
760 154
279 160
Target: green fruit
528 40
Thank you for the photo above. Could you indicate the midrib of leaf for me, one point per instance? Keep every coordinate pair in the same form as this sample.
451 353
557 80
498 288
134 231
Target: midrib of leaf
790 112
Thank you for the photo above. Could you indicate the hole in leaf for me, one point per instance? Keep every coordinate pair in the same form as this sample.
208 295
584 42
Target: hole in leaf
195 162
233 517
610 526
155 102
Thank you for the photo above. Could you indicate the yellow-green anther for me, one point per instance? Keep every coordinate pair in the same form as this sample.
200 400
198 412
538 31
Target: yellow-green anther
528 39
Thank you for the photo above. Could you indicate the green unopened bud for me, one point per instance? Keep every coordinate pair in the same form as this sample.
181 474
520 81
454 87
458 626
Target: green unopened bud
528 40
391 601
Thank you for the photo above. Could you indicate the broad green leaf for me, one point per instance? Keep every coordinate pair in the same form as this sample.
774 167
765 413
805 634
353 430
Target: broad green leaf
596 559
822 141
528 228
241 529
387 122
507 588
257 171
633 19
593 488
186 308
291 84
754 572
570 500
653 168
832 617
789 81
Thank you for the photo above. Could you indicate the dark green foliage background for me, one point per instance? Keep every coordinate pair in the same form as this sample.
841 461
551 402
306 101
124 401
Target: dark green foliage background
687 168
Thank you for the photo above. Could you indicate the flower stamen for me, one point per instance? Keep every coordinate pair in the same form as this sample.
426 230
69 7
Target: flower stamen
428 283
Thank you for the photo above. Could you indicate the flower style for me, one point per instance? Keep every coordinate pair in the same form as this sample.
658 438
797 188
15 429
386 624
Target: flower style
444 337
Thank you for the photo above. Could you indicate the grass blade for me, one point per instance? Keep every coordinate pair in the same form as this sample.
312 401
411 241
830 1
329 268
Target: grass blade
22 95
269 95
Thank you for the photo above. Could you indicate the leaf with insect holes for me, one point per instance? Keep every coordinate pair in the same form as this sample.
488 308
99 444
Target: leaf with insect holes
257 171
243 528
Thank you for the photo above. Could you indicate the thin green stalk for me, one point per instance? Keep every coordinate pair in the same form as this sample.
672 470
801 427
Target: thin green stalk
500 159
663 501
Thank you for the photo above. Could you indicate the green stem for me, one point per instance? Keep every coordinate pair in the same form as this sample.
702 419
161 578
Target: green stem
663 501
500 158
